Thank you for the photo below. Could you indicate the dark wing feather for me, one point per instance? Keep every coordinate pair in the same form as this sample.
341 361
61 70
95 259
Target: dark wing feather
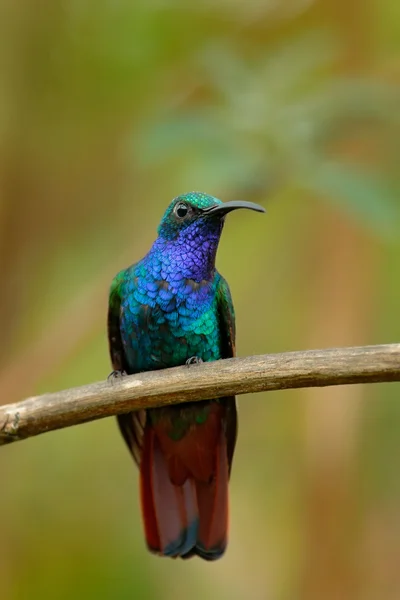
131 424
226 315
116 346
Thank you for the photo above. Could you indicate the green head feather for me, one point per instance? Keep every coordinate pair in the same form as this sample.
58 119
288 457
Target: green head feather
195 202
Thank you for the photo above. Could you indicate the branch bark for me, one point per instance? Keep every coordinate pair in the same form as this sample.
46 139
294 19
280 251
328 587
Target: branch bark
311 368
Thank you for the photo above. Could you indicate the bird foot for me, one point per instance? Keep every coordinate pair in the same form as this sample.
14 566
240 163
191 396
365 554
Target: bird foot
194 360
116 375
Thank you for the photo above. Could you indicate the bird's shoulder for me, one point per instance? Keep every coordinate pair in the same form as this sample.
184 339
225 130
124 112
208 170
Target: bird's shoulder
125 280
223 291
226 314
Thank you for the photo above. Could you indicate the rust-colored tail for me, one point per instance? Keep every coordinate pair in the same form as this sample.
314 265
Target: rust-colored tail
184 493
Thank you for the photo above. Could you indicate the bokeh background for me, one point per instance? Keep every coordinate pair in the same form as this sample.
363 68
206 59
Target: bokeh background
108 110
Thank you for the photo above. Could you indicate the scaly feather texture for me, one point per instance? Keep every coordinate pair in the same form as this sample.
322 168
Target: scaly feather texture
169 307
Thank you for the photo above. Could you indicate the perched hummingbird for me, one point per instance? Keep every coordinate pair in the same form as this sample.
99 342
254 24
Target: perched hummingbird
171 308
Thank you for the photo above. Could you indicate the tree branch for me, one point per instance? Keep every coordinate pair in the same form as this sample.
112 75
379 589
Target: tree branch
312 368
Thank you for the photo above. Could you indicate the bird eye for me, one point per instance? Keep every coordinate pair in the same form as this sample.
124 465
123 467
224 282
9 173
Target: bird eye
181 210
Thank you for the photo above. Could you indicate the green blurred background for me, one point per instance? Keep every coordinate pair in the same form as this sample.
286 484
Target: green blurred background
108 110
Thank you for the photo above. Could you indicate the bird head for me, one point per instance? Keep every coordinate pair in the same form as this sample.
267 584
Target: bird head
197 214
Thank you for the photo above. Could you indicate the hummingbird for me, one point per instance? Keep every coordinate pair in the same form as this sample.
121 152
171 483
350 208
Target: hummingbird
174 308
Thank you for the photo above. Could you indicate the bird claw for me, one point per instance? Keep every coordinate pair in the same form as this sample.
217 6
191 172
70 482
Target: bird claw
194 360
116 375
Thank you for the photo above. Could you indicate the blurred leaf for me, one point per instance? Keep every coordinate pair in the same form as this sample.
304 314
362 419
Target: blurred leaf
363 194
283 71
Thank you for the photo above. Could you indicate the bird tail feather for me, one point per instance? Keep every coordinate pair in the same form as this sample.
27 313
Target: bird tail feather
188 519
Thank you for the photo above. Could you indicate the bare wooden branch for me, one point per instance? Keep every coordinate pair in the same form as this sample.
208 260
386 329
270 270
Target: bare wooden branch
311 368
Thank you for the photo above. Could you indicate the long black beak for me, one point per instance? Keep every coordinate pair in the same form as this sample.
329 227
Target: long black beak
222 209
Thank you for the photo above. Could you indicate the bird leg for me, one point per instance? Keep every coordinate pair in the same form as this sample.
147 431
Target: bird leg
116 375
194 360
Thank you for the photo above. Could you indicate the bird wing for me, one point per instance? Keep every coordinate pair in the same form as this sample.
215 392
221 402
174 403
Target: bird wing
226 317
116 346
130 424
